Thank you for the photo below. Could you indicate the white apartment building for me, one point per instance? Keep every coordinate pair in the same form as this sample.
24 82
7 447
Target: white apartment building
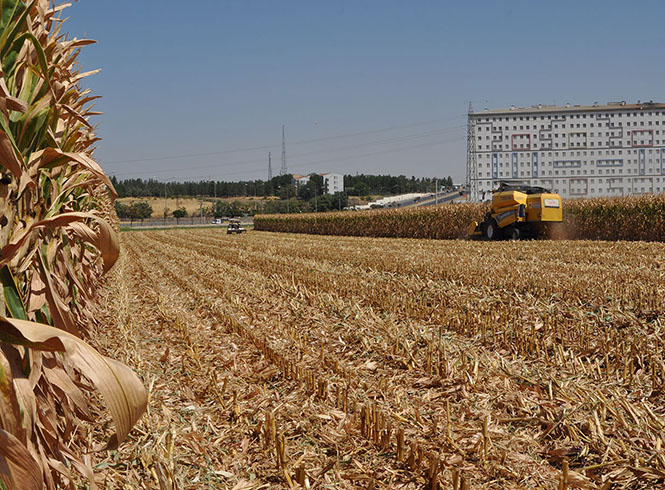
333 183
577 151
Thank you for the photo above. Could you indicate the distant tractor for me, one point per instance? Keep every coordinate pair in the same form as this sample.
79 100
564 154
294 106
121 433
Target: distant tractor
234 227
518 211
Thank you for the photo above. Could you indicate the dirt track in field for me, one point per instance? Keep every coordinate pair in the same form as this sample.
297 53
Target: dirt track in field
495 363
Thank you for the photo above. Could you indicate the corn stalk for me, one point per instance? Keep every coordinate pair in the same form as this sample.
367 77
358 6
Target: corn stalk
611 218
56 242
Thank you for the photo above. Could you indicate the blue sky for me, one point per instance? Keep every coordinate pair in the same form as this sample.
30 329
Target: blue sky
193 90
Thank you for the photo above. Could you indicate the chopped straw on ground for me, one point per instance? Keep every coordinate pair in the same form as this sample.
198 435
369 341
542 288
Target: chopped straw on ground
278 361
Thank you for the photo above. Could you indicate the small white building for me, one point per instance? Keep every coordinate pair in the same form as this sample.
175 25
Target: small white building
299 180
333 183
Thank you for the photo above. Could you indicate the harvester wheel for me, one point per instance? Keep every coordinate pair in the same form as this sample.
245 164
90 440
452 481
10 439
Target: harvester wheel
491 230
512 233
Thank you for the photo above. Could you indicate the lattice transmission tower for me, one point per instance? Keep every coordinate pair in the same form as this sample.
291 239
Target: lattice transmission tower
282 171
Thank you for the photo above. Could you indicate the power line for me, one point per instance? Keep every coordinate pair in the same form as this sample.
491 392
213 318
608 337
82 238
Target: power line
382 130
350 157
266 147
383 152
333 150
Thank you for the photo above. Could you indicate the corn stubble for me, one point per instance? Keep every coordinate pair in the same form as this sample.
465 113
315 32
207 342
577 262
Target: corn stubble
618 218
343 362
57 240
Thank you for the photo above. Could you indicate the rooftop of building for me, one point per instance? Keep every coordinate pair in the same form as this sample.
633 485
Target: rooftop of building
307 176
540 108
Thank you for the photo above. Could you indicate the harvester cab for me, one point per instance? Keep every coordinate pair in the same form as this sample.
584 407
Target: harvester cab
517 211
234 227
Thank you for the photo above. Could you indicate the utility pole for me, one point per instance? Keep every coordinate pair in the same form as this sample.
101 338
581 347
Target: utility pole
287 198
164 203
436 192
282 171
269 166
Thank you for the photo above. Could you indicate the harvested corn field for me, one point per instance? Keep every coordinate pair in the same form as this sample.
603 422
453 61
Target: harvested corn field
279 361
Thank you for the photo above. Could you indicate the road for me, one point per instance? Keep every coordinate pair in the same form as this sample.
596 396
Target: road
431 200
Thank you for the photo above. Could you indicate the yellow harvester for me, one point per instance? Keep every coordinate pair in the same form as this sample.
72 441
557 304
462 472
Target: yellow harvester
518 211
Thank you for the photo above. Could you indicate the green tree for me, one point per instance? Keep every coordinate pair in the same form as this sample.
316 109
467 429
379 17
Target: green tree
235 209
314 187
139 210
361 189
179 213
331 202
286 192
209 211
220 209
122 210
225 209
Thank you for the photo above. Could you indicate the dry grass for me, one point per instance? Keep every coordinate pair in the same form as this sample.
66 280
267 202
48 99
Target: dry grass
191 204
379 363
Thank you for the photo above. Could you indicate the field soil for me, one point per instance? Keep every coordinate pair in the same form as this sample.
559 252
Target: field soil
287 361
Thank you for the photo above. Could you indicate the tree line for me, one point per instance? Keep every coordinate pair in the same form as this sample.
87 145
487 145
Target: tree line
354 185
140 210
309 197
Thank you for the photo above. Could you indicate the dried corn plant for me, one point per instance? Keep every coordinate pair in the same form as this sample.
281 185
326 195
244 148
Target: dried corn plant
617 218
56 241
443 222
